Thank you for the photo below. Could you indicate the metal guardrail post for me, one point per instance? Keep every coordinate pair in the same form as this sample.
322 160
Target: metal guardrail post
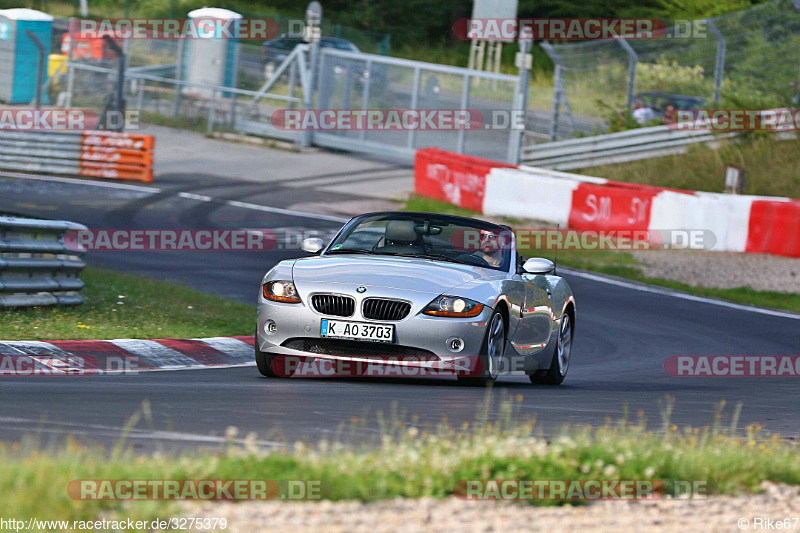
292 82
365 96
179 76
557 87
235 83
70 69
520 103
719 65
212 108
37 99
558 84
120 88
633 58
313 36
139 97
412 134
464 105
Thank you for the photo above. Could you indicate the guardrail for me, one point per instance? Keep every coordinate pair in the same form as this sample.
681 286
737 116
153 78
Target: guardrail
36 266
93 154
621 147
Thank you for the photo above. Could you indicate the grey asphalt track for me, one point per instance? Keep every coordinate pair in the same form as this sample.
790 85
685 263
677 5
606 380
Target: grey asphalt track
623 336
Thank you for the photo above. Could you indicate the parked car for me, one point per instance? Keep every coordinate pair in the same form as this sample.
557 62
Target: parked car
277 50
660 102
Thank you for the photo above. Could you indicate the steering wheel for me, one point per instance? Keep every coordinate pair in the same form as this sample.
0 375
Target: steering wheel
474 259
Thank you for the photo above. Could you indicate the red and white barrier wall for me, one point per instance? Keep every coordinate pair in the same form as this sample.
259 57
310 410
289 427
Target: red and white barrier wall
739 223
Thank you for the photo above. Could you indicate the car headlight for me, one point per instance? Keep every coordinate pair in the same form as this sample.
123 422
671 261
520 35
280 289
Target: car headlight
453 307
281 291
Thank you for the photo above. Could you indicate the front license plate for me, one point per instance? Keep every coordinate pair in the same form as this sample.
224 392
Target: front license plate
359 331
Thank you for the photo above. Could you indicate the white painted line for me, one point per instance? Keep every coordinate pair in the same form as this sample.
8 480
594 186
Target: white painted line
192 196
64 427
203 367
681 295
186 195
75 181
255 207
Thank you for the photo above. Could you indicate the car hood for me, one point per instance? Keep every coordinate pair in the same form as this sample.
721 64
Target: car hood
404 273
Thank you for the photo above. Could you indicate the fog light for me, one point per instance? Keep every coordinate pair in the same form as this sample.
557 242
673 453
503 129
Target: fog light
270 327
455 344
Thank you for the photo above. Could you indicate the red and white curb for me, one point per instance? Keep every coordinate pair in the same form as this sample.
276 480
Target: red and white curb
124 355
739 223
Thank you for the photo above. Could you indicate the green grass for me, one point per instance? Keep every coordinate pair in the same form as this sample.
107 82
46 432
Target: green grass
772 168
621 264
405 460
126 306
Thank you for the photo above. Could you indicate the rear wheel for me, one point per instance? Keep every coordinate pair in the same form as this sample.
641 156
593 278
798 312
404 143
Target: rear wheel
560 363
491 358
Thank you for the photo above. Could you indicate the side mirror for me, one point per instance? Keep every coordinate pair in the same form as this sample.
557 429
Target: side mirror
312 246
538 265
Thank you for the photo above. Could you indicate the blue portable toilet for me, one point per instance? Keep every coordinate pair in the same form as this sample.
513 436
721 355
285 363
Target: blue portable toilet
20 56
212 61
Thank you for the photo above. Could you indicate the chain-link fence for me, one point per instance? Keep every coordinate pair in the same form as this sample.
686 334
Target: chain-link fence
746 59
356 81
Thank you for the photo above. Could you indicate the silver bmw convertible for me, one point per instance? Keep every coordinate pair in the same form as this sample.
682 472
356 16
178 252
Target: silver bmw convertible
419 290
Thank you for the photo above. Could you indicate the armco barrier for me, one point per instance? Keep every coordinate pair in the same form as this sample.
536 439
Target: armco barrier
94 154
739 223
455 178
36 268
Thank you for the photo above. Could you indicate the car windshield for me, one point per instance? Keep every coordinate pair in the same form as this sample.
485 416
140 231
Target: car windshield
427 236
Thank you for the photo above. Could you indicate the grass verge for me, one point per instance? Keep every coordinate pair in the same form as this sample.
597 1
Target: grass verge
622 264
773 168
405 460
127 306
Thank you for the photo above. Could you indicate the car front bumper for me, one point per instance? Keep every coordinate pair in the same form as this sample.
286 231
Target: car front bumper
420 340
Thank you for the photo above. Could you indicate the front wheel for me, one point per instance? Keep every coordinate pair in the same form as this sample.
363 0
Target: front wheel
560 363
275 366
491 358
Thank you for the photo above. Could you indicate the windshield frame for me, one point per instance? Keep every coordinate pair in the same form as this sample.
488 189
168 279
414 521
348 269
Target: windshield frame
509 258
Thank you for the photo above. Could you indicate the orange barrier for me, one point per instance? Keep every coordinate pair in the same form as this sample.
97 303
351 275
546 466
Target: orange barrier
108 154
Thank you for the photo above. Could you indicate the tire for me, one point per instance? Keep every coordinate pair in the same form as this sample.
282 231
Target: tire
561 356
491 356
266 364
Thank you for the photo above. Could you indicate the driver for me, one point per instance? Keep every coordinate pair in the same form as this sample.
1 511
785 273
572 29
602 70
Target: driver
490 249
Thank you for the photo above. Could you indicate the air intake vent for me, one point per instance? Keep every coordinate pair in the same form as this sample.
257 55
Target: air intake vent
331 304
381 309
